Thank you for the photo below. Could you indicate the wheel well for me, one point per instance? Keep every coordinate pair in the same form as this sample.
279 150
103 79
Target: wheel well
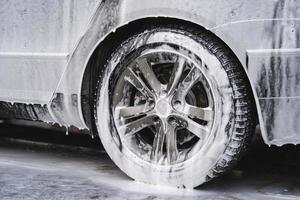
105 49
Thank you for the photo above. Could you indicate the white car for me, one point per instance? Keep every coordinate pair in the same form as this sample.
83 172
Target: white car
173 88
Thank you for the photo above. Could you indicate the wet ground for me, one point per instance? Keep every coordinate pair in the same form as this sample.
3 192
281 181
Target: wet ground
41 164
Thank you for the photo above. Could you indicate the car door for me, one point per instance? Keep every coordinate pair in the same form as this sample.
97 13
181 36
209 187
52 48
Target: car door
36 38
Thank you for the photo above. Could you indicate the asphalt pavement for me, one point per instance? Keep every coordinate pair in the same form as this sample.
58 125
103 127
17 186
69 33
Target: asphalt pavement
36 163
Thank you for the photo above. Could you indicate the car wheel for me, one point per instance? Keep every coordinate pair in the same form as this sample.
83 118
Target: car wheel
173 106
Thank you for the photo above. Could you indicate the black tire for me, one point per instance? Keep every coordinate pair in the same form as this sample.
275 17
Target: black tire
236 126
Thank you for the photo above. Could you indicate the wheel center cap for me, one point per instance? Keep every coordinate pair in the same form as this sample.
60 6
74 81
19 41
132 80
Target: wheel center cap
163 108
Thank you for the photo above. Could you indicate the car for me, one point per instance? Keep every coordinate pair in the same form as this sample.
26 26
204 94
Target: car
174 89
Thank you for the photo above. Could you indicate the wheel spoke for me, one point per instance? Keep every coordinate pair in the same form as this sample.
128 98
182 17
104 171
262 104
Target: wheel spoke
158 143
135 126
138 83
188 82
205 114
171 139
176 74
149 75
199 130
132 111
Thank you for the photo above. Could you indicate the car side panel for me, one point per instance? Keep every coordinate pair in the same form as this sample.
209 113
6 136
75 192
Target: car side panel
36 38
252 29
270 48
245 26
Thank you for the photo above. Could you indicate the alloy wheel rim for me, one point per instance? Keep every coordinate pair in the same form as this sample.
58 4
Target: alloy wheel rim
163 107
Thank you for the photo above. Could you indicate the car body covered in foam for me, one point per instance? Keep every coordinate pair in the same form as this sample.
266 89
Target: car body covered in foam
45 47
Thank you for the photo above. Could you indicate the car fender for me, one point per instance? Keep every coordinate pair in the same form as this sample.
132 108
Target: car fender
113 14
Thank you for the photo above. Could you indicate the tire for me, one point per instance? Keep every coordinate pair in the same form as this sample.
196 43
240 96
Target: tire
189 122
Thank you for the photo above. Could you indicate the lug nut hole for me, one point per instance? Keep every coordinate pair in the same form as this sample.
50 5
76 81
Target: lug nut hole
151 103
156 119
172 121
177 103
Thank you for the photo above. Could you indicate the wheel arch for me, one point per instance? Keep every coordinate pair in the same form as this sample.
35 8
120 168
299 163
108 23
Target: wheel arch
114 38
108 18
